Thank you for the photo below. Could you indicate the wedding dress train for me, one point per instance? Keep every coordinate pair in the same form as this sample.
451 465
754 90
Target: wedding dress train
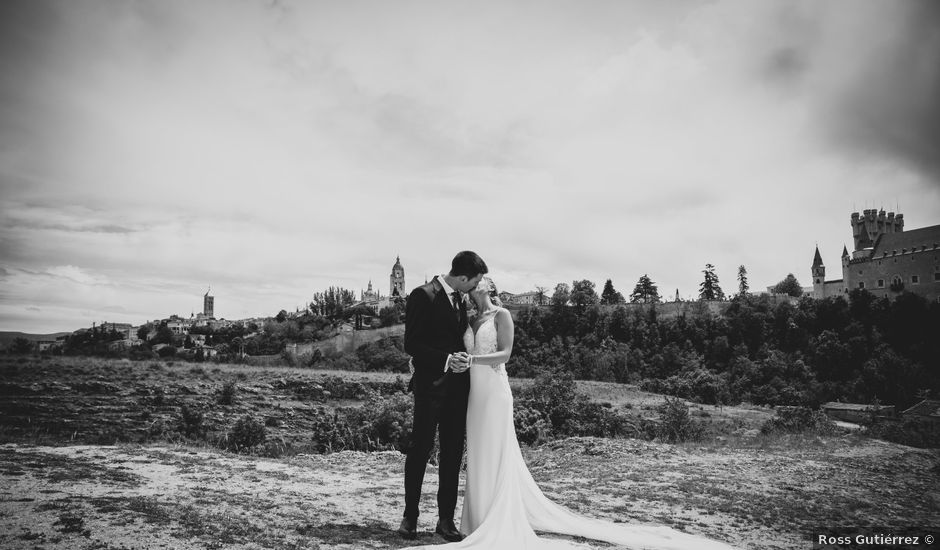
503 506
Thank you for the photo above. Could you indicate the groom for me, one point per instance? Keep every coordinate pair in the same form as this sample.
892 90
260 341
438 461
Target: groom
435 321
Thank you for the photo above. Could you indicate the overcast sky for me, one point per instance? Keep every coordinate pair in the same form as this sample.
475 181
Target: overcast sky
149 149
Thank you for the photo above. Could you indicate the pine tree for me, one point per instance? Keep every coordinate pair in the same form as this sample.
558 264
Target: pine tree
709 289
610 296
742 281
645 291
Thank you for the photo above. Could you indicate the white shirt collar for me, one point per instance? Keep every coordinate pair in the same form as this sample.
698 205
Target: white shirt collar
447 288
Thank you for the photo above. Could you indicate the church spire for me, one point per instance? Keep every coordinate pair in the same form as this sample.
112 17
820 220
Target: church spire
817 260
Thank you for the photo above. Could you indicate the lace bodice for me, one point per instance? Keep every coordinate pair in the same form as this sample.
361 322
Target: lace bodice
484 341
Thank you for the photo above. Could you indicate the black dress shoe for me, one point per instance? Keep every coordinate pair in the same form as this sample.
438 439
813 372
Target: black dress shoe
408 529
448 530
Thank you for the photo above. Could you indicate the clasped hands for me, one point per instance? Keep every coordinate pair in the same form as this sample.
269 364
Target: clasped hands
459 362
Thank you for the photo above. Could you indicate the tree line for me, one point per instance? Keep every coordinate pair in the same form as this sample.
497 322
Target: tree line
760 349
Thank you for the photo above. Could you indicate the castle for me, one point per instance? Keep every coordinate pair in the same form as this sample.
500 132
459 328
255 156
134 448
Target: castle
886 260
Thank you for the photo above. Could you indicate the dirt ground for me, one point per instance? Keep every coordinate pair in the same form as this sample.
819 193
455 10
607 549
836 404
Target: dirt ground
148 497
63 485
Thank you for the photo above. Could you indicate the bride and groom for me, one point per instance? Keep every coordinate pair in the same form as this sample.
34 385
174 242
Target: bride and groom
461 391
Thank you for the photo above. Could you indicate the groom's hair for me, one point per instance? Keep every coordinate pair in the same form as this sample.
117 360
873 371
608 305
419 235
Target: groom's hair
468 264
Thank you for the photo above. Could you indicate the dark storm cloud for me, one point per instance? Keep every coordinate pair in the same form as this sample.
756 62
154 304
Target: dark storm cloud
872 71
894 106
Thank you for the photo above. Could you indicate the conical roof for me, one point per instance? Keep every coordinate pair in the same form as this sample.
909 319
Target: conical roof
817 260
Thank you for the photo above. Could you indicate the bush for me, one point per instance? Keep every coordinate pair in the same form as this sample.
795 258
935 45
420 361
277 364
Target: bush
159 396
384 355
552 407
675 424
915 432
191 422
532 427
798 420
227 393
385 422
246 434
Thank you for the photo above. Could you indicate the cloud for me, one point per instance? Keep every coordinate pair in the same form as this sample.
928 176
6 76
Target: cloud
870 72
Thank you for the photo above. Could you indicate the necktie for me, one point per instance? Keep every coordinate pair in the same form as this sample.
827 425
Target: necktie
456 296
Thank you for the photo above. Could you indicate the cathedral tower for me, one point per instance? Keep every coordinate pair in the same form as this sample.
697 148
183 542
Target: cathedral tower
397 280
208 305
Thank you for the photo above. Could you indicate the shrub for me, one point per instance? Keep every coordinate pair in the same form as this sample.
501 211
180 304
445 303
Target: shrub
914 432
675 424
385 354
532 427
798 420
159 396
191 422
227 393
385 422
246 434
554 400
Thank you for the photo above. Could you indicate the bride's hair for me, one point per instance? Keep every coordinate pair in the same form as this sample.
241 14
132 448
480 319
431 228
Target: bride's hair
494 294
494 297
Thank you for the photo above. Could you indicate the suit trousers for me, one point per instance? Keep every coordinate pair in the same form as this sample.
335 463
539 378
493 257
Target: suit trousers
446 415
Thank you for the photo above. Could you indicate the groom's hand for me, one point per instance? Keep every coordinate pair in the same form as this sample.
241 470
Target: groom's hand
459 362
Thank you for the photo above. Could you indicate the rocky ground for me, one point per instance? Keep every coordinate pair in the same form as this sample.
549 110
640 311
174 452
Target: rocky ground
746 489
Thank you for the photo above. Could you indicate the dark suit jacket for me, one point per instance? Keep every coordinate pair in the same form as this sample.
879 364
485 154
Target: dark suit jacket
433 331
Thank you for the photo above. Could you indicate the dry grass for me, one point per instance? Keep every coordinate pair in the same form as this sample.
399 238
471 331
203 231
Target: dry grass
751 490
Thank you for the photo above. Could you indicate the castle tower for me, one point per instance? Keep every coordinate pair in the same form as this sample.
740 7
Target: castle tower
397 280
208 305
819 275
871 224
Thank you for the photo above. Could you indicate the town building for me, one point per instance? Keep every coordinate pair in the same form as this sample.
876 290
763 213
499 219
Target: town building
886 259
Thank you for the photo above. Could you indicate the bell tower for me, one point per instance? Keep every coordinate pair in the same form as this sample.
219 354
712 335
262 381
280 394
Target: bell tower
396 287
819 275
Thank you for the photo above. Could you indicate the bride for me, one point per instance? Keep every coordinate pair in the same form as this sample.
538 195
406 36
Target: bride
503 506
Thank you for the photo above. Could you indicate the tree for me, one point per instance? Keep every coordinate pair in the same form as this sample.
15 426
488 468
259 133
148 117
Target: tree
742 281
20 345
541 293
164 335
645 291
610 296
583 294
709 289
332 302
561 295
790 286
281 316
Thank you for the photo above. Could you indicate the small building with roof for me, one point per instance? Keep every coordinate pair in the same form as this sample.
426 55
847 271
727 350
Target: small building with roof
855 412
928 409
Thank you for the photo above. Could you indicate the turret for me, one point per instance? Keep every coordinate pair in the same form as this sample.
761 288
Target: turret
871 224
819 275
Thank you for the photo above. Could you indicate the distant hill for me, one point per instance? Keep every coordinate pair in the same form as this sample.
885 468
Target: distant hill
7 337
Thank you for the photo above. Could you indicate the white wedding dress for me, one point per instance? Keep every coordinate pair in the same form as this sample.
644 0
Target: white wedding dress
503 506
